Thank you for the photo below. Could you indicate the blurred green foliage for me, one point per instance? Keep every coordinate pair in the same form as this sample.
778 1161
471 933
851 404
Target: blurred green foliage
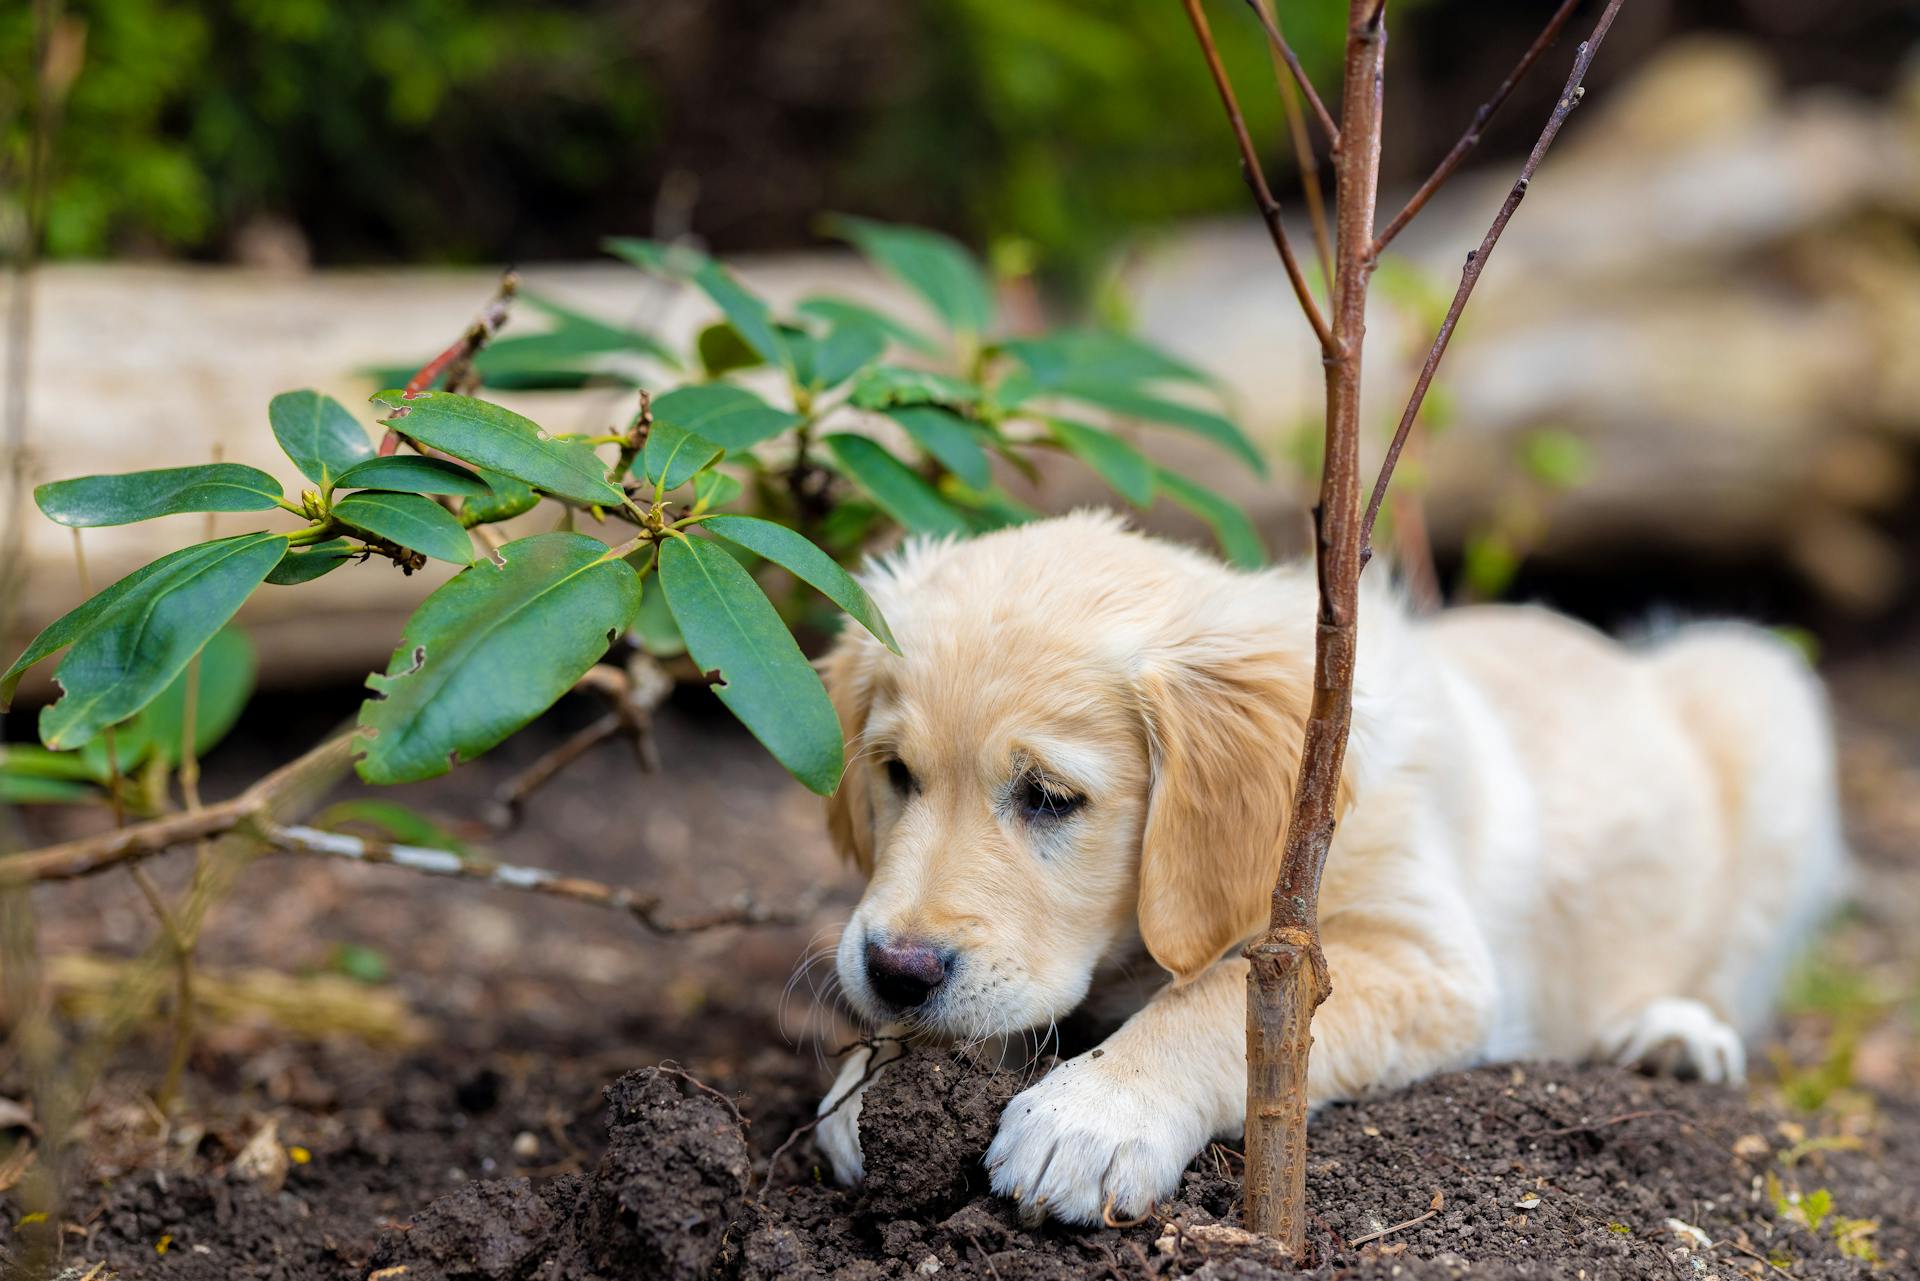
486 129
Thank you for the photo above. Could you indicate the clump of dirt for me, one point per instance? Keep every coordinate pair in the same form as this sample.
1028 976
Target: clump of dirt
658 1205
925 1123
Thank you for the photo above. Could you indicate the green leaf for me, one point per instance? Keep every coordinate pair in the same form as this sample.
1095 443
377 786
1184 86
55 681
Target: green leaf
793 553
360 963
31 760
509 498
1557 459
731 417
89 501
674 455
303 566
936 267
318 434
830 359
1201 422
841 313
747 313
884 386
491 649
951 439
732 629
227 668
411 475
131 641
654 629
392 820
893 485
1096 358
1236 534
714 488
722 350
27 789
500 440
132 744
410 520
1112 459
69 627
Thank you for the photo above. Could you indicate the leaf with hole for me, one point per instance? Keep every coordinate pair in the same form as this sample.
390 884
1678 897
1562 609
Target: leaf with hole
1112 459
129 642
792 552
731 628
228 665
410 520
1236 534
951 439
408 475
894 486
935 266
492 648
86 502
500 440
731 417
318 434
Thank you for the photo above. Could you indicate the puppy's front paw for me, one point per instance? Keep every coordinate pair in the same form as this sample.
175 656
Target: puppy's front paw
1676 1036
837 1133
1085 1143
838 1138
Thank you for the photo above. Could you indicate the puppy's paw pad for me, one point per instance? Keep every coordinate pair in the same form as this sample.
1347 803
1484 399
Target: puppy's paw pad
1676 1036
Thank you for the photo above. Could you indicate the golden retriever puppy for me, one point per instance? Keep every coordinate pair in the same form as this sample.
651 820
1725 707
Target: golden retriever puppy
1551 844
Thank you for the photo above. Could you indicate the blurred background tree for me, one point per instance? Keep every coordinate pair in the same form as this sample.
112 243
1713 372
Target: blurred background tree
360 131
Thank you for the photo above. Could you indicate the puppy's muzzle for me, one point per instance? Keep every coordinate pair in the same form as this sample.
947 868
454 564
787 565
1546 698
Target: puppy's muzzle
905 973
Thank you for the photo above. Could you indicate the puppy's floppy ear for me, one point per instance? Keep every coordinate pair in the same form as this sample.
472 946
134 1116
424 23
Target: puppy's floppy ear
1223 733
848 672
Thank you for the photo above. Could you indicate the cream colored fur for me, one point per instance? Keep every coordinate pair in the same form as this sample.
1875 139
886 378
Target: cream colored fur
1551 845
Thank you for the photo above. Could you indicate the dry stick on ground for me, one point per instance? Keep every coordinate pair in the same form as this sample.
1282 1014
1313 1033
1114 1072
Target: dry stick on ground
1287 978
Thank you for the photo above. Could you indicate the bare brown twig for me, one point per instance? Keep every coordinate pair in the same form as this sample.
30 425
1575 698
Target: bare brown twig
1304 158
456 362
1287 55
1256 180
1471 138
1477 261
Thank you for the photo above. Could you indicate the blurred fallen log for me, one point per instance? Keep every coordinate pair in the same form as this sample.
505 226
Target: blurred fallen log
1721 298
311 1007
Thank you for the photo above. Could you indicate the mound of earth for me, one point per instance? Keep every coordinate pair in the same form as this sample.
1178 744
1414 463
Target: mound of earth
1505 1172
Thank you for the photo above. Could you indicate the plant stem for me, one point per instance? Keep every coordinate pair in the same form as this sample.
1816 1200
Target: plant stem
1287 979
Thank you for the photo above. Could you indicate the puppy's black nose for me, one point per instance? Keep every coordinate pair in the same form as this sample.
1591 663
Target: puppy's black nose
905 973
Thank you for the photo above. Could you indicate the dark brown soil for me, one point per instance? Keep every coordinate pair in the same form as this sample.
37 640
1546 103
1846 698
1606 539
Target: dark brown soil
1537 1171
528 1136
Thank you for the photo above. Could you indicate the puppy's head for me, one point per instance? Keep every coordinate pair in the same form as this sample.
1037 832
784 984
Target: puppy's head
1091 737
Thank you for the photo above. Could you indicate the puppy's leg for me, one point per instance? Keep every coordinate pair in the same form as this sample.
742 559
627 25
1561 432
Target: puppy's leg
1112 1129
837 1133
1413 994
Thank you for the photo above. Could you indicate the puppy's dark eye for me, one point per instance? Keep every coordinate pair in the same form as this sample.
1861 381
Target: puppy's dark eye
901 777
1043 802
